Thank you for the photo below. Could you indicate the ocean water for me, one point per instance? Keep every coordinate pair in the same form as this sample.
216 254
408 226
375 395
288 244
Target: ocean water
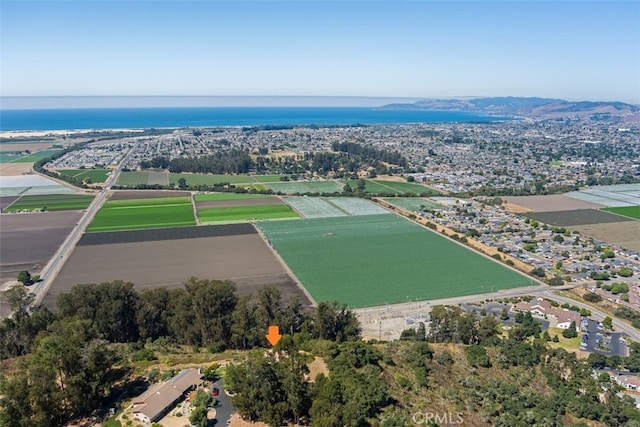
142 118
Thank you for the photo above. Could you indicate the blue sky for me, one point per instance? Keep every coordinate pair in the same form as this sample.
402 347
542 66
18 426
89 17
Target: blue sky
568 49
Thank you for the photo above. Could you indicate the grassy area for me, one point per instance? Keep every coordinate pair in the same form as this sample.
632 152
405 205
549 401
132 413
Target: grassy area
95 175
133 178
51 202
227 196
32 158
209 179
245 213
569 344
628 211
379 259
143 213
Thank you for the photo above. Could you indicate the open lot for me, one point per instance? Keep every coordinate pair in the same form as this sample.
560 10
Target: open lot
234 253
23 146
551 203
133 178
14 169
624 234
50 202
382 259
135 214
628 211
576 217
29 240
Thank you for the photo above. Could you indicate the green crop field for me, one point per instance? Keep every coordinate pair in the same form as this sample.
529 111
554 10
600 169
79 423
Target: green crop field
407 187
32 158
412 203
378 259
228 196
628 211
9 156
245 213
50 202
209 179
267 178
302 187
133 178
143 213
96 175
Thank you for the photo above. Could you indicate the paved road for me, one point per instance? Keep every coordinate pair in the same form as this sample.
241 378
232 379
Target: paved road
55 264
225 408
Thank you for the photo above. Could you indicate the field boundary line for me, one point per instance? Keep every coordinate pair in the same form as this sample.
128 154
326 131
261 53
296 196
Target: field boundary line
337 207
284 264
195 211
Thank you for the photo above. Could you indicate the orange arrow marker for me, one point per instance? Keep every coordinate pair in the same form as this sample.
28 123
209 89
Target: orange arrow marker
274 335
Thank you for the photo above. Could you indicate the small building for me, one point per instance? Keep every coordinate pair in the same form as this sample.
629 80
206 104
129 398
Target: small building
542 308
160 398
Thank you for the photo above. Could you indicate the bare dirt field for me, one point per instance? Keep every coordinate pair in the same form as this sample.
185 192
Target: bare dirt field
577 217
146 194
241 202
22 146
243 258
551 203
625 234
12 169
6 201
510 207
30 239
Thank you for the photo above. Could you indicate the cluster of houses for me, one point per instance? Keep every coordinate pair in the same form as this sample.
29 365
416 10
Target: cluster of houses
559 317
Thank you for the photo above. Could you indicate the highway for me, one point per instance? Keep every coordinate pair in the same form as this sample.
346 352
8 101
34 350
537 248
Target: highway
55 264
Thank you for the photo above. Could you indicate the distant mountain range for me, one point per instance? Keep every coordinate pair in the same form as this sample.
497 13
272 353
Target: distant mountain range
527 107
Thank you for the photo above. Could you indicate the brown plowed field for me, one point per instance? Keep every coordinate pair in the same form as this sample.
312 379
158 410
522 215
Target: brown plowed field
242 258
242 202
29 240
146 194
624 234
6 201
551 203
577 217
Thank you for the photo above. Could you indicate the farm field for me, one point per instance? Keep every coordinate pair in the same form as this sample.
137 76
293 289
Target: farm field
267 178
9 156
406 187
168 257
146 194
551 203
382 259
133 178
355 206
210 197
158 178
314 207
96 175
412 203
50 202
301 187
628 211
209 179
245 213
30 240
625 234
577 217
32 158
610 195
143 213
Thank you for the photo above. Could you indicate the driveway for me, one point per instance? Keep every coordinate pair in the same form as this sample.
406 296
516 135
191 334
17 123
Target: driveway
225 408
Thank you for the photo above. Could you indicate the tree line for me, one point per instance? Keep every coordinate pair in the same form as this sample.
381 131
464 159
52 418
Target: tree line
70 364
